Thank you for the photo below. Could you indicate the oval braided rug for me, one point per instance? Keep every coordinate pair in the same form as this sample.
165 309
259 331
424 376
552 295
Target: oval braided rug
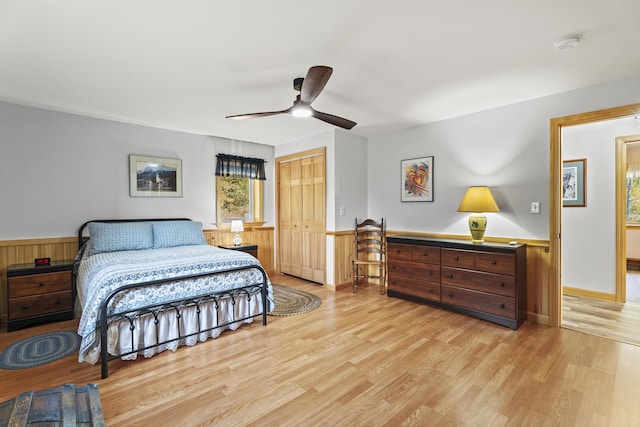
39 350
290 301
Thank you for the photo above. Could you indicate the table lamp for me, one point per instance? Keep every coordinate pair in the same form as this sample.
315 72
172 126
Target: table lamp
478 200
237 227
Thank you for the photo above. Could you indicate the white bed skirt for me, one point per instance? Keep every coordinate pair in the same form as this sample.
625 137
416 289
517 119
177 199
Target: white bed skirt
119 335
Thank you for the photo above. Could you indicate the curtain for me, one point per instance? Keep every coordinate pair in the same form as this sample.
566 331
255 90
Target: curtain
240 167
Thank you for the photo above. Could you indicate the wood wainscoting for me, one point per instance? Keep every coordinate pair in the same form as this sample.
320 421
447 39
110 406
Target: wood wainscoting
537 267
65 248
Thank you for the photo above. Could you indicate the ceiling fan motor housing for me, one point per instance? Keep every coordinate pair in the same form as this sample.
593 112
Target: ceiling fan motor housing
297 84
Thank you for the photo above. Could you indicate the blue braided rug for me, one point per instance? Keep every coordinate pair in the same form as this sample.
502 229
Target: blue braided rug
39 350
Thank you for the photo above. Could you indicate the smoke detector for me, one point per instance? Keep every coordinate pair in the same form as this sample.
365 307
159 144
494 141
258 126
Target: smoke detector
567 42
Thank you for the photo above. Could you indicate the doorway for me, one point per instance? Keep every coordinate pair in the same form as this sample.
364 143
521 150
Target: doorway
555 202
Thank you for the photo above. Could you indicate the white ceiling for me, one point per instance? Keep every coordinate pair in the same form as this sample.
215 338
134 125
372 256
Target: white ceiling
185 65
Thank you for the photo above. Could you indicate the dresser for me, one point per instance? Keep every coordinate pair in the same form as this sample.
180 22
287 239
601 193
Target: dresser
486 280
39 294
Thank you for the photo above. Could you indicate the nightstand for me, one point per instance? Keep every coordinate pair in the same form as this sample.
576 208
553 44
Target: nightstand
250 249
39 294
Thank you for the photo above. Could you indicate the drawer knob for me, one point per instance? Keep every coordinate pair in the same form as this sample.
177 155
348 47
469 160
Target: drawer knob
425 254
41 284
450 294
501 305
25 307
57 302
456 258
431 273
450 276
430 291
502 285
494 262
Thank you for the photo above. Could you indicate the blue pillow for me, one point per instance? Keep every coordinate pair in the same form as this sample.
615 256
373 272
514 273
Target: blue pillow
122 236
177 233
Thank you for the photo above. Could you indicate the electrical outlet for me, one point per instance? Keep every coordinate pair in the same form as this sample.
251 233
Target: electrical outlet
342 211
535 207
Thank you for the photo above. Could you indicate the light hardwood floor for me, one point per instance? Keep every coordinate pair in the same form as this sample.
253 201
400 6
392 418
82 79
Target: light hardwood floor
363 359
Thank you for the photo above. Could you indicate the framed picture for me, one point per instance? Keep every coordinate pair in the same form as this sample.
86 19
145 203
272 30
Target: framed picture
574 183
417 180
154 177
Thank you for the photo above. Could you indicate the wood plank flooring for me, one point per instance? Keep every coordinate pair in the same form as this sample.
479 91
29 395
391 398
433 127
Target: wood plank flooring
362 359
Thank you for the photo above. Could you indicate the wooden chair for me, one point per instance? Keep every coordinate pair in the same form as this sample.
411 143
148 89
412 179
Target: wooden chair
370 255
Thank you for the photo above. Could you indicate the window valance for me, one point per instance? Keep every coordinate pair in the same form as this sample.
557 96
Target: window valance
240 167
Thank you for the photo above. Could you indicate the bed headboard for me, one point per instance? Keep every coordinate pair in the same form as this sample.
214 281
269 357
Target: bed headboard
82 238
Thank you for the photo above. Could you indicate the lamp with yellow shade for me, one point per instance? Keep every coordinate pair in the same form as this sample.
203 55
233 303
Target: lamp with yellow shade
478 200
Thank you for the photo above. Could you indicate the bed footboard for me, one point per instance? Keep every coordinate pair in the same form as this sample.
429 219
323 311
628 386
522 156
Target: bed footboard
177 308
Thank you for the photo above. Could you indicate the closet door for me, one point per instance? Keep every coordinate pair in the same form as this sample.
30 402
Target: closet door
302 217
319 226
286 225
296 219
307 218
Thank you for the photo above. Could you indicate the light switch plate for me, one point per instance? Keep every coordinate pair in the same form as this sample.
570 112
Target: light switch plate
535 207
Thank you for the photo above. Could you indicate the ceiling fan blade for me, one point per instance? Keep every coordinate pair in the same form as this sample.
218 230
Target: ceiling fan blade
314 82
255 115
334 120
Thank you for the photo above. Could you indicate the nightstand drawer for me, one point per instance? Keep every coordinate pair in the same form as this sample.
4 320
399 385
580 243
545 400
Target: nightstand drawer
39 304
39 284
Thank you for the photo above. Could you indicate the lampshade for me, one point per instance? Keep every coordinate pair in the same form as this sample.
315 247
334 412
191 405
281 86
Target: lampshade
478 199
236 226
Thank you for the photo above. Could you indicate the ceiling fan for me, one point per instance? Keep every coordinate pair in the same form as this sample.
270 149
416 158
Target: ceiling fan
309 88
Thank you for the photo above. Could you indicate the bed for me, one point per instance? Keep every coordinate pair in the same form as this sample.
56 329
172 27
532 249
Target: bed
146 286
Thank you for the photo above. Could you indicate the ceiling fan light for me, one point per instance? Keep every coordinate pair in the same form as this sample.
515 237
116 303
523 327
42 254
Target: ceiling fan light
301 111
567 42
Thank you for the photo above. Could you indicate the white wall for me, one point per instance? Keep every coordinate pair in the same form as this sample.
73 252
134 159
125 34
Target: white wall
59 170
589 233
506 148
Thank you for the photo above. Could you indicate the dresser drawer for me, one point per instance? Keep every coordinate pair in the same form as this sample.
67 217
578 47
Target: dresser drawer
35 284
457 258
483 261
37 305
481 301
499 284
419 288
414 270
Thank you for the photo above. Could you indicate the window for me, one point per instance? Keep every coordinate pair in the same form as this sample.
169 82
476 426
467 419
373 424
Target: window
239 184
633 193
238 198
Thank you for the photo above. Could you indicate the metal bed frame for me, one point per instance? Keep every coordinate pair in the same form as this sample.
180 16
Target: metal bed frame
247 291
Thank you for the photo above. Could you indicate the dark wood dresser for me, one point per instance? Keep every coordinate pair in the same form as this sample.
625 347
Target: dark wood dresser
39 294
486 280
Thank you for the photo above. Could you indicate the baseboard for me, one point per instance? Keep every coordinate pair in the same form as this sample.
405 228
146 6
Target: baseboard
540 319
589 294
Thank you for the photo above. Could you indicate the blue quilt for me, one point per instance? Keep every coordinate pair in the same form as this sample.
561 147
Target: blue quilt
100 274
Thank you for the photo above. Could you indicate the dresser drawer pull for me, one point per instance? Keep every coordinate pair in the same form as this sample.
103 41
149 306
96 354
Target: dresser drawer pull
25 307
41 284
57 302
501 305
502 285
430 291
494 262
426 254
431 273
456 258
450 295
450 276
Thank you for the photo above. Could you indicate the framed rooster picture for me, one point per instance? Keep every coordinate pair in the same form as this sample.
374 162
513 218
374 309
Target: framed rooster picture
417 180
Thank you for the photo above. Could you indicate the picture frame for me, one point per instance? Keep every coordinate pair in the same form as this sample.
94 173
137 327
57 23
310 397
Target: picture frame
154 176
417 179
574 183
